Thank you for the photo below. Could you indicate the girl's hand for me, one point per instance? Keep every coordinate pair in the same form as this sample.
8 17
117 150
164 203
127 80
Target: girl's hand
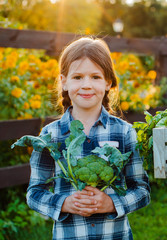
104 202
88 201
80 203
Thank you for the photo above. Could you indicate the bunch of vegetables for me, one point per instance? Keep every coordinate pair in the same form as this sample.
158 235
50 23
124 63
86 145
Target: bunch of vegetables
91 170
145 134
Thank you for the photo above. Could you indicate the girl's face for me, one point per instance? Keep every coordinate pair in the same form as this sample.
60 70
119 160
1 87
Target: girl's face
86 84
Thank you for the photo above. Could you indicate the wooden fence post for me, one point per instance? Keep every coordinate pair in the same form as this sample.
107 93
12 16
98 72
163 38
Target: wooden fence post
160 152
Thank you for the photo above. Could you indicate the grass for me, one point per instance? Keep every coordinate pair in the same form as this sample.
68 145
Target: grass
37 232
149 223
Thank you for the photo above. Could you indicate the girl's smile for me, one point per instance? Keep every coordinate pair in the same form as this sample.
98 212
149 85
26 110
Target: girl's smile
86 84
86 95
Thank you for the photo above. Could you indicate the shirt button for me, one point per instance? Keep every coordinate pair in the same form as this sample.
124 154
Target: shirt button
93 225
88 140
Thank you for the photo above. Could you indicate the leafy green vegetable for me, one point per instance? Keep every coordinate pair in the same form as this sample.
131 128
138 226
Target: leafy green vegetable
145 135
90 170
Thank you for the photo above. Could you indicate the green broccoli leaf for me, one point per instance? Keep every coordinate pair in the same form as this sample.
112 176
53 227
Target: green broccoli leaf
38 143
81 185
105 150
126 157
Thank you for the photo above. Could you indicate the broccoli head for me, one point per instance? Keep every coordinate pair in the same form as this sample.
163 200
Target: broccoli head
93 170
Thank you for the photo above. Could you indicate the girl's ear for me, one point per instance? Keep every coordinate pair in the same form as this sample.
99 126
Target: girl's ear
63 82
108 86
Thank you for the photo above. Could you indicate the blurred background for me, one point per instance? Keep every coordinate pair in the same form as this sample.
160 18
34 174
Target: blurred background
145 19
28 78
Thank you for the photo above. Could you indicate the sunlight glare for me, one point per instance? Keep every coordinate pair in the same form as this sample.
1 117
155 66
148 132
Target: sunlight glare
54 1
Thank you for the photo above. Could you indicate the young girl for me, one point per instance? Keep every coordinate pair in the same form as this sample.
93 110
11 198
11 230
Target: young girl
88 84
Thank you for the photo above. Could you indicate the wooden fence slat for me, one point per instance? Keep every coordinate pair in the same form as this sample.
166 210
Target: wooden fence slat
15 175
55 41
13 129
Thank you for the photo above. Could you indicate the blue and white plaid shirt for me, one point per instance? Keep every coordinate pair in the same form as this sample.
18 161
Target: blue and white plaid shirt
98 226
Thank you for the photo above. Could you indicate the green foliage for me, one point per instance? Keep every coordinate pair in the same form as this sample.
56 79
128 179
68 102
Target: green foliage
83 171
150 222
15 214
145 135
11 158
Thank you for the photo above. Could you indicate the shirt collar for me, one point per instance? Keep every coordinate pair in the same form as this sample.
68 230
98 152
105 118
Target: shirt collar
67 118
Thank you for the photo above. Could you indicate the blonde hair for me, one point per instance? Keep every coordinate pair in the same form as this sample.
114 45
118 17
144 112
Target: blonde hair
97 51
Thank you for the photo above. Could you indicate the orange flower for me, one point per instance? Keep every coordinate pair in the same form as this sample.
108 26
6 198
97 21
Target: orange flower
134 97
51 63
36 97
23 67
136 84
14 79
87 31
45 74
124 106
1 56
50 86
35 104
26 105
36 85
152 74
27 116
16 92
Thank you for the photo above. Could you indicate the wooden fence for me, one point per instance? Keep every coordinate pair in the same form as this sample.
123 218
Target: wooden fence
53 43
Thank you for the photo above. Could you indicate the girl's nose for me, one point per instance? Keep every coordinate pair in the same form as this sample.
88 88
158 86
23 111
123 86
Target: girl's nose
86 82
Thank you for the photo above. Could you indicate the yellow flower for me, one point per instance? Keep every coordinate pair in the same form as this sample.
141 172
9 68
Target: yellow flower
134 97
123 66
87 31
31 58
14 79
152 74
51 63
116 56
14 55
1 56
124 106
35 104
23 67
36 85
36 97
26 105
16 92
54 72
50 86
136 84
27 116
46 74
9 63
20 27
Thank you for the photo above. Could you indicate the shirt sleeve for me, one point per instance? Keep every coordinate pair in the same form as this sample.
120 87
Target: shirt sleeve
138 189
39 198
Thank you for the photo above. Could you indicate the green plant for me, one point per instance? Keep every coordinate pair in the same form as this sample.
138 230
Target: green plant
71 172
15 215
145 134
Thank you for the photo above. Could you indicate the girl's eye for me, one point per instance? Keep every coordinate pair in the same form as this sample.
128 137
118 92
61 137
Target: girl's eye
77 77
96 77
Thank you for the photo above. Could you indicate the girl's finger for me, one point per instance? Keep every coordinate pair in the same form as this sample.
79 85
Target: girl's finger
85 192
86 210
86 203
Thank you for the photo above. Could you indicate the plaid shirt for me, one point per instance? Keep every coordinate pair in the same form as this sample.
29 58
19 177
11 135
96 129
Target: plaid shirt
98 226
